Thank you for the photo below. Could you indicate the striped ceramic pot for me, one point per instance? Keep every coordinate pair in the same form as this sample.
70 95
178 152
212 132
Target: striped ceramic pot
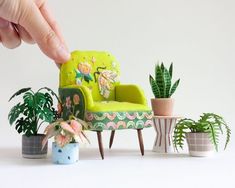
32 147
68 154
199 144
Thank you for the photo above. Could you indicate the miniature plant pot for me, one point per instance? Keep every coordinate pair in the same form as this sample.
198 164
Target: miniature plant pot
68 154
32 147
162 106
199 144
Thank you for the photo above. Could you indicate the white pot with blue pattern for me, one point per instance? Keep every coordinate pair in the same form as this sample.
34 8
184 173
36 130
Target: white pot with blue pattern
68 154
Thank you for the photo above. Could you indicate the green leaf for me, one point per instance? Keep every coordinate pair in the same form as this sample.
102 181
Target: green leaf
14 113
228 135
24 125
19 92
162 67
213 134
159 79
171 70
48 100
50 91
154 87
167 80
29 99
174 87
40 100
46 115
180 130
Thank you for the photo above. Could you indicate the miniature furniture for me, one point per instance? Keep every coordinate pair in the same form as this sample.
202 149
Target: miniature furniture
163 126
90 90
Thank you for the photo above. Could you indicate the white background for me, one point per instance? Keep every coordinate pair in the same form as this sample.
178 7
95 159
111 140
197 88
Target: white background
197 35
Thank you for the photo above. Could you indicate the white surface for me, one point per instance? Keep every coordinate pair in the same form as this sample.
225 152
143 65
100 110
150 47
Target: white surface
121 168
197 35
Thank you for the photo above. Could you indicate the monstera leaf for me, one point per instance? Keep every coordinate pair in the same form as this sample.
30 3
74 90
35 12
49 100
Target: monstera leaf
35 109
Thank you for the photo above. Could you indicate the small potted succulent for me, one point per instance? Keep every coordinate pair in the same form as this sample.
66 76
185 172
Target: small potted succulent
28 115
163 89
202 136
65 149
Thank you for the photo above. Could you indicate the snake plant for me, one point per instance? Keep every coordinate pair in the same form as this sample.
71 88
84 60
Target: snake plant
208 123
162 83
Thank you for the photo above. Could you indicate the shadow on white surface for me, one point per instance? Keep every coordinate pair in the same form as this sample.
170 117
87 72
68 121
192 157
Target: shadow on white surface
12 156
94 154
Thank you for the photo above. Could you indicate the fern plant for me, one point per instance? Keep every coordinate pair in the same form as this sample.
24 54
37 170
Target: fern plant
209 123
35 109
161 85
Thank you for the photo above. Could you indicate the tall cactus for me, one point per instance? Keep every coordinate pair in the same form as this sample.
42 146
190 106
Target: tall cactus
162 83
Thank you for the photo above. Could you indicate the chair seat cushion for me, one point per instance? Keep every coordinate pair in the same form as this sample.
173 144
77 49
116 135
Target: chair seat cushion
119 120
108 106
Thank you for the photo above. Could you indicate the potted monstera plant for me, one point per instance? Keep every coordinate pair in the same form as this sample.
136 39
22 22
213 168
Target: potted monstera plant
35 109
65 148
163 89
202 136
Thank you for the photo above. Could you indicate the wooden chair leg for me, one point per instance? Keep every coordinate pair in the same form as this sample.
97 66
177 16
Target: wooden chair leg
141 143
111 139
99 136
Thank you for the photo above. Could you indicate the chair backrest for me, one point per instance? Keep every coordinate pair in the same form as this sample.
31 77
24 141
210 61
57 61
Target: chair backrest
99 71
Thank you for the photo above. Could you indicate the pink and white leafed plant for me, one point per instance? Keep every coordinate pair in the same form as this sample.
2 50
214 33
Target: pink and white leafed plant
65 132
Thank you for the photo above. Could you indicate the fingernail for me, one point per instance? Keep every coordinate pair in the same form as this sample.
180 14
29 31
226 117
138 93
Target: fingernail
63 54
3 23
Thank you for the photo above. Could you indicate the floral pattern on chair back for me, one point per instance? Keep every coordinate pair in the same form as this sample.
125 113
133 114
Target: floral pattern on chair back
99 71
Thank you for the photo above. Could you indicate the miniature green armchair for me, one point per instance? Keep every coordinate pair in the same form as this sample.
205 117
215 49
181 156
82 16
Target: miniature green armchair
90 90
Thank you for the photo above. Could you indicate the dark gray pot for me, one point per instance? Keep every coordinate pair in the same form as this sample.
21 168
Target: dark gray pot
32 147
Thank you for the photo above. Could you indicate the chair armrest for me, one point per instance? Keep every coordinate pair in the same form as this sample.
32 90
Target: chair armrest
130 93
86 93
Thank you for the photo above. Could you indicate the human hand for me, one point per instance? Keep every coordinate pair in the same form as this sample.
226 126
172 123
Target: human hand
31 21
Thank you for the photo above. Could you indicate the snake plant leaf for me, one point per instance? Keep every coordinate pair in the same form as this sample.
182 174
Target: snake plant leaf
171 70
162 67
174 87
20 92
167 80
160 81
154 87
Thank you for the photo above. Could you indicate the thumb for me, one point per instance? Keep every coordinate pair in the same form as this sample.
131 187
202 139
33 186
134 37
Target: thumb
46 38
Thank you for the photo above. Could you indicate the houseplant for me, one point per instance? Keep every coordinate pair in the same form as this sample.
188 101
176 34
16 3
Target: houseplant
203 135
163 89
28 115
65 149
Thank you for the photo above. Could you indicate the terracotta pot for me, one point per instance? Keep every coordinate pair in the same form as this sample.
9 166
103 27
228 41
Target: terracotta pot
199 144
162 106
32 147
